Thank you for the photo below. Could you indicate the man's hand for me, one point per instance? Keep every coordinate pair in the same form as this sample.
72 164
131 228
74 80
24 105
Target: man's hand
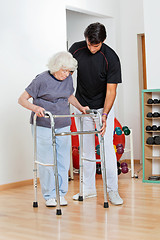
103 129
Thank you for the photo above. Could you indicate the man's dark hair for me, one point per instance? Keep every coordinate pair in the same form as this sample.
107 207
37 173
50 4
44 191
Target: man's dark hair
95 33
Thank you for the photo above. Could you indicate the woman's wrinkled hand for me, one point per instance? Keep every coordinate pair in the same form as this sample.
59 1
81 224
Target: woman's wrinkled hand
39 111
84 109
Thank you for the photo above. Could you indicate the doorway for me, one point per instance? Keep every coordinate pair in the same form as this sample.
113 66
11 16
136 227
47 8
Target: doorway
142 72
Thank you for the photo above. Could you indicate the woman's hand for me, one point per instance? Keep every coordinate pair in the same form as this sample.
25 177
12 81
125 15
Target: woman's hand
73 100
23 101
83 109
39 111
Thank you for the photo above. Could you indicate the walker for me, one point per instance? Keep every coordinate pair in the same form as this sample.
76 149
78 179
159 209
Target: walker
90 113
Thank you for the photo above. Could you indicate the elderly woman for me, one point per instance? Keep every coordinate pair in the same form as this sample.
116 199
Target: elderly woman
53 91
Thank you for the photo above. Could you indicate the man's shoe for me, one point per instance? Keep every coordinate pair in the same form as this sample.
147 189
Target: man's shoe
114 198
63 201
51 202
85 195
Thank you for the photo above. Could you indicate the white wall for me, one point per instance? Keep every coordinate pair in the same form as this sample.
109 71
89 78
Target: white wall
92 7
152 42
131 24
31 31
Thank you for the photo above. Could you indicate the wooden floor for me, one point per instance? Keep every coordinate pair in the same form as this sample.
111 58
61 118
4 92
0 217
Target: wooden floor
138 218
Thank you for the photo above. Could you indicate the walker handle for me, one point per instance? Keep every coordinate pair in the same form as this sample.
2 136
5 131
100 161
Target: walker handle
46 114
91 111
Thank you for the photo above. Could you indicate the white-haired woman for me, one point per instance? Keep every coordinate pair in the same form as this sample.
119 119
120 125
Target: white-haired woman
53 91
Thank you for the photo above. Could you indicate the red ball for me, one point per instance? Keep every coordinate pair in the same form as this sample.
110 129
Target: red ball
120 150
124 164
124 170
119 145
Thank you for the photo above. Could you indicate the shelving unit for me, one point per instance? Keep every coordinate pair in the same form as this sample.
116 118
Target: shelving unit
151 153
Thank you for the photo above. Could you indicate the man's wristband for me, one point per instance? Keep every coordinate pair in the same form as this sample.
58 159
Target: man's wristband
104 114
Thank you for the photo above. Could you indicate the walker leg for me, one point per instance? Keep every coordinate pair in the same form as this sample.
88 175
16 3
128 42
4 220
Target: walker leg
106 204
58 212
58 209
80 198
35 203
71 164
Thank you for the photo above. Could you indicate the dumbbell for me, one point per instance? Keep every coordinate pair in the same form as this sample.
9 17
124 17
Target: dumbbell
126 130
155 101
98 150
124 167
151 128
120 148
98 168
149 114
150 140
150 101
153 140
157 140
158 128
154 128
156 114
148 128
118 131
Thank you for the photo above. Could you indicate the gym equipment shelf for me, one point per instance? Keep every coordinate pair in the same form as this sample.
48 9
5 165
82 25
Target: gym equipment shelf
150 150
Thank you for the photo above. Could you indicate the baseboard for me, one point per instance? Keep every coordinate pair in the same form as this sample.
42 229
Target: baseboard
17 184
30 181
136 161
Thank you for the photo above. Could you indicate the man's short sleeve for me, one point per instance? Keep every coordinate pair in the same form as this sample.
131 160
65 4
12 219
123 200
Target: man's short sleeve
114 71
72 49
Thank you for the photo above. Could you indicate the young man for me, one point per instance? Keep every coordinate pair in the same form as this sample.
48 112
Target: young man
98 74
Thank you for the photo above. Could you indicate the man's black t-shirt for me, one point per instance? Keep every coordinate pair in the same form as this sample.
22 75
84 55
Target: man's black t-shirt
94 72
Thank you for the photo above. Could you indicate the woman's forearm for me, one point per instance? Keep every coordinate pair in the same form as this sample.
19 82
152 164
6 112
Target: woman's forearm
23 101
73 100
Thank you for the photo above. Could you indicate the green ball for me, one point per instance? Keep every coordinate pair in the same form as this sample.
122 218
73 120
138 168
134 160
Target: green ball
98 151
118 131
127 131
125 127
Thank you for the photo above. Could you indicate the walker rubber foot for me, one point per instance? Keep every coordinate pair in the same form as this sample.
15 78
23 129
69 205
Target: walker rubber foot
106 205
80 198
58 212
35 204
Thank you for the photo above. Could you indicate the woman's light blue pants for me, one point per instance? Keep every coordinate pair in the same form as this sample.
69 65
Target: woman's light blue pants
45 155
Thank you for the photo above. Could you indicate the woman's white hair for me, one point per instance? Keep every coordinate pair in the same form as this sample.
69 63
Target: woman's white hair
62 60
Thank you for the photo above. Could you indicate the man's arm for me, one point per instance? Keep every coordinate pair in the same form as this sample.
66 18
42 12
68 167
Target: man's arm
110 97
109 100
